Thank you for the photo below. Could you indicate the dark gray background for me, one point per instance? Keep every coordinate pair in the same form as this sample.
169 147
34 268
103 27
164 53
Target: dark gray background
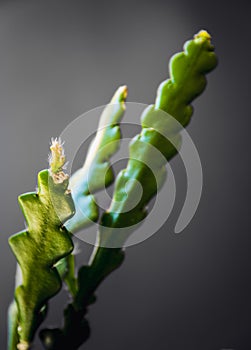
60 58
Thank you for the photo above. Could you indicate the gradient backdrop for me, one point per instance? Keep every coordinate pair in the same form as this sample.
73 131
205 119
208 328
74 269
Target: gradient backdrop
59 59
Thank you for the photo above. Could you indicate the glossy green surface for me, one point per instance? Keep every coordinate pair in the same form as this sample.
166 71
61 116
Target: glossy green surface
159 139
174 96
96 172
95 175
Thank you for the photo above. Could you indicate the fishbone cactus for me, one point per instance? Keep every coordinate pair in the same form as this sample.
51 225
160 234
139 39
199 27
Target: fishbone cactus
49 212
187 81
145 166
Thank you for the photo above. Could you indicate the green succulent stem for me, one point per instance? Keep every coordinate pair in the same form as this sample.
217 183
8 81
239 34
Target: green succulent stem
159 133
43 250
187 81
95 175
41 246
97 172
